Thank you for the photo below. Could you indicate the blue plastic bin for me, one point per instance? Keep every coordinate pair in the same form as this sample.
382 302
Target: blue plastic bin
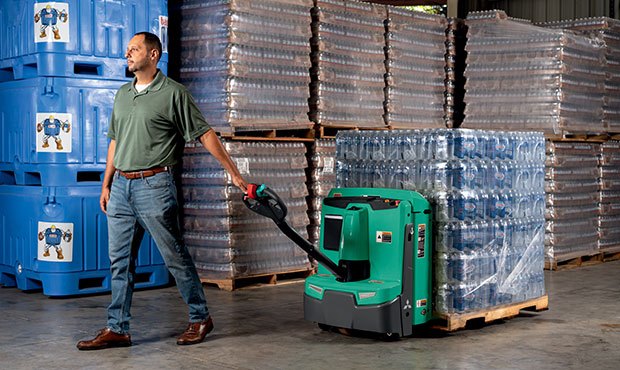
75 115
55 239
74 38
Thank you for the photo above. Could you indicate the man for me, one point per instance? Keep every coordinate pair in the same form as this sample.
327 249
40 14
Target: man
152 117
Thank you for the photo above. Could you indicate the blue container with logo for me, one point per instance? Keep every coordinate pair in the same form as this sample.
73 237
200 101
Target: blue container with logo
75 38
53 130
56 239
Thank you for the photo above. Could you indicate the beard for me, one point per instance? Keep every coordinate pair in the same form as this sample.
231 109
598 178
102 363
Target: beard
135 66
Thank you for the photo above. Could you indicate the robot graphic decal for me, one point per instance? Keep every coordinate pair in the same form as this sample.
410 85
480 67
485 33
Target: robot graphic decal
54 17
57 236
56 127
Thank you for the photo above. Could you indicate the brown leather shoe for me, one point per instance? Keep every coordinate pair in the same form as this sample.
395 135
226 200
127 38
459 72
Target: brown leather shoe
196 332
105 339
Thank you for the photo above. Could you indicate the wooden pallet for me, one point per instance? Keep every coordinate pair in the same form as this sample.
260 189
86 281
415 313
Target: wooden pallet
453 322
589 137
611 253
330 131
574 262
259 280
291 134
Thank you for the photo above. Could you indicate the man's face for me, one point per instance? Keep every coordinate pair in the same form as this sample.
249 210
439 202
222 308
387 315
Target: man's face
137 54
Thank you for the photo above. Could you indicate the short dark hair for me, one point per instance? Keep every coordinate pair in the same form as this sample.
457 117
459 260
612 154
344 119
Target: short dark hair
152 42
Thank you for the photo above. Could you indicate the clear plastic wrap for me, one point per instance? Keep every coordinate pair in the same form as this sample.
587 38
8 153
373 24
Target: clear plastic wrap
234 255
416 60
571 199
225 237
480 265
237 270
571 212
606 30
348 64
246 62
487 192
567 71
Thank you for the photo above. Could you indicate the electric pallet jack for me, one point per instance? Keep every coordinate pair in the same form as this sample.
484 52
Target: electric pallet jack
374 258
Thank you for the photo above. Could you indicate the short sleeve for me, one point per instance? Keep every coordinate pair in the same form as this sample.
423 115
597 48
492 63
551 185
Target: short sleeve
190 121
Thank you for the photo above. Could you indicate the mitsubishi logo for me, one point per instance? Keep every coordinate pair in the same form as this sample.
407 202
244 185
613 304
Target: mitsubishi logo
407 305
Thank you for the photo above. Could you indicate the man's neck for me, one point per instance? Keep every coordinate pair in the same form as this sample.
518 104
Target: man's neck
145 77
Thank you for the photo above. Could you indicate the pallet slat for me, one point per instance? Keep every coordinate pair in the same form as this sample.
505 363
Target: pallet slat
452 322
574 262
259 280
291 134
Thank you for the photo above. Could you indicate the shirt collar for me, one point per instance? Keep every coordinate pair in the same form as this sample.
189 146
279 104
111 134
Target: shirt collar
155 85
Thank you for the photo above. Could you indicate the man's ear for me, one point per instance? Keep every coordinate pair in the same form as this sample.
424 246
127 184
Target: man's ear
154 54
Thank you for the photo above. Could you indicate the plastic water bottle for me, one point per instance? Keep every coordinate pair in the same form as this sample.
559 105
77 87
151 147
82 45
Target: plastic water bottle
406 145
391 146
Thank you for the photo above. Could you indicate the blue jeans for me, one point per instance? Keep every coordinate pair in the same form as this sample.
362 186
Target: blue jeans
148 204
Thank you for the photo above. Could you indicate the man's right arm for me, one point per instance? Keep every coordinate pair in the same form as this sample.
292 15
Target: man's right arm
108 177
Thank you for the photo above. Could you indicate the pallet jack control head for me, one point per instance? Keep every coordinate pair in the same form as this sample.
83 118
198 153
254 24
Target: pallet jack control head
265 202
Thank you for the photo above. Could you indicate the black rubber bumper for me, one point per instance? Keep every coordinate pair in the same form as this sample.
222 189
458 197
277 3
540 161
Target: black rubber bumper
340 310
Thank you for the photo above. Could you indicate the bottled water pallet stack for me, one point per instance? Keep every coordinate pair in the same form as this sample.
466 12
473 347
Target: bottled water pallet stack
607 31
229 242
488 196
572 213
348 64
321 179
609 200
247 62
416 75
524 77
60 66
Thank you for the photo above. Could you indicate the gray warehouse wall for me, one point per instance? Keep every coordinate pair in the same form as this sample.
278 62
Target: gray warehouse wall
548 10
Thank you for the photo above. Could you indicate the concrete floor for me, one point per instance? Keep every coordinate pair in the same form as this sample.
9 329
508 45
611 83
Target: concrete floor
263 328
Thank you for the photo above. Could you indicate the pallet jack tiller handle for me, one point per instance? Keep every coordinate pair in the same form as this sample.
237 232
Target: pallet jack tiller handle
265 202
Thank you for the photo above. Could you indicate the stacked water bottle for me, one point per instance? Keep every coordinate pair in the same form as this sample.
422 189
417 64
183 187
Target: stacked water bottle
246 62
489 201
416 57
225 238
572 187
524 77
61 64
607 30
348 63
609 197
321 179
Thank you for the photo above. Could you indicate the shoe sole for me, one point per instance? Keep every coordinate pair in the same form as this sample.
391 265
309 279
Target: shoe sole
116 345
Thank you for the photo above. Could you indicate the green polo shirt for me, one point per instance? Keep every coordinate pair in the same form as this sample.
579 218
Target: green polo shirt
151 127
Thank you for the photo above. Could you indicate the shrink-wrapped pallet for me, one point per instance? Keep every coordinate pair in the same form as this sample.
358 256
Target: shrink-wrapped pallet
525 77
606 30
225 238
348 63
572 193
488 201
247 62
416 61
